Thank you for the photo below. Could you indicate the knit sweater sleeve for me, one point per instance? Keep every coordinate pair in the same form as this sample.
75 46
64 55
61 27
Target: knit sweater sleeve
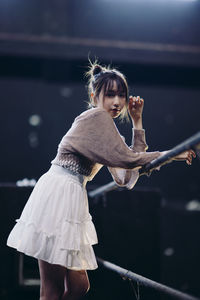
139 140
126 177
95 136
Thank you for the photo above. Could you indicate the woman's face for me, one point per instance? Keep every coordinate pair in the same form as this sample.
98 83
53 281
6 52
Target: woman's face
113 101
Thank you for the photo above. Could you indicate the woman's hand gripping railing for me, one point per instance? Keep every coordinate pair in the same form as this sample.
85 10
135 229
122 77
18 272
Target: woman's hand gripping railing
191 143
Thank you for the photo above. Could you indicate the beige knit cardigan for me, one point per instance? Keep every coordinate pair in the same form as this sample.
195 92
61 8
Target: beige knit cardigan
94 140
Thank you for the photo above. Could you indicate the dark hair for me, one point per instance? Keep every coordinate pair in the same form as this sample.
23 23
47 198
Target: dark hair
104 78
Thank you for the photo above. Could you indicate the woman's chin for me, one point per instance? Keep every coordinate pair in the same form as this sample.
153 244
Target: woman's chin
114 114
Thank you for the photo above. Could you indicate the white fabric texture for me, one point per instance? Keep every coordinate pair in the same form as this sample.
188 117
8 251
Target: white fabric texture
55 225
121 176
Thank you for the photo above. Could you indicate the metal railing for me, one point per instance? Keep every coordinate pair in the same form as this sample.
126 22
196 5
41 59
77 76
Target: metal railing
143 281
191 143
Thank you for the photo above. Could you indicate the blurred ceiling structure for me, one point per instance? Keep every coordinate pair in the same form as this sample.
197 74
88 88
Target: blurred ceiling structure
147 32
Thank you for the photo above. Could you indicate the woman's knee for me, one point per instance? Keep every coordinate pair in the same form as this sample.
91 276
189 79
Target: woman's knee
84 286
50 296
76 293
49 293
78 283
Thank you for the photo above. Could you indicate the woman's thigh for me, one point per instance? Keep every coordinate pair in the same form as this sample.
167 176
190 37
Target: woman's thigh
57 280
52 278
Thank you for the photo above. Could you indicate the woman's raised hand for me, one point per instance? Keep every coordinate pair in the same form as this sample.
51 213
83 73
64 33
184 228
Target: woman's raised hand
187 156
135 107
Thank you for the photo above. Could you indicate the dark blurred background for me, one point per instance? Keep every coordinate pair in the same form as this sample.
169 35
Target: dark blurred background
44 50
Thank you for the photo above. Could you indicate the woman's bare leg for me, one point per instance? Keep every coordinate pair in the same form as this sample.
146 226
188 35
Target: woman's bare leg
51 280
77 284
60 283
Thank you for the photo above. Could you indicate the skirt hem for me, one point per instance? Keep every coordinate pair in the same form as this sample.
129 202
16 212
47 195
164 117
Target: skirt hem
55 263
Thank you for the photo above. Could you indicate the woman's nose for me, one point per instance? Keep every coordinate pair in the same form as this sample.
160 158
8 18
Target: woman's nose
116 100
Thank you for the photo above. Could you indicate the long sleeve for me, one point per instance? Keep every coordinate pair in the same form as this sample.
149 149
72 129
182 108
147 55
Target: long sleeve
95 136
139 140
128 178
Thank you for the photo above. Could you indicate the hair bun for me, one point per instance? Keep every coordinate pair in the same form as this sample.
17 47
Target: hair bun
97 69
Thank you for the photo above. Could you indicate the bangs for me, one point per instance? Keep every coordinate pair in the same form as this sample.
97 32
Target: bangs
109 84
104 80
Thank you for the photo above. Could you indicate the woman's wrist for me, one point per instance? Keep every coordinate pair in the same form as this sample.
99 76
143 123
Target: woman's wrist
137 123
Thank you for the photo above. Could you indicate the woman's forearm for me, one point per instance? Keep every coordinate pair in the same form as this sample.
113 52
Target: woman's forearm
137 123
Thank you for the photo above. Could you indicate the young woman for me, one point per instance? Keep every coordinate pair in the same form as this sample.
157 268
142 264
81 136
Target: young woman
55 226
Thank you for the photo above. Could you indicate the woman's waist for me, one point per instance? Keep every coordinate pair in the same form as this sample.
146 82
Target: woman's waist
75 163
65 171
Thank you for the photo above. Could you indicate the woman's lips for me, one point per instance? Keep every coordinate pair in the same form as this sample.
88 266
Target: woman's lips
116 110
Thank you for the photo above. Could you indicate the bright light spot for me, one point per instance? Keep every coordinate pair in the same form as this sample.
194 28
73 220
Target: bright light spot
35 120
26 182
193 205
169 251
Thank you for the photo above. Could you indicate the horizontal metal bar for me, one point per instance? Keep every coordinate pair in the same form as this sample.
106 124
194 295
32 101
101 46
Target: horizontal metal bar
126 274
191 143
103 189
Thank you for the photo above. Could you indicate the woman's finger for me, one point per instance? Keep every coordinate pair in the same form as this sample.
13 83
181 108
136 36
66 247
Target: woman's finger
189 160
193 153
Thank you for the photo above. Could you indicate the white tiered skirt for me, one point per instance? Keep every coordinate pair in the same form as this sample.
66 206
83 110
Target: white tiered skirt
55 225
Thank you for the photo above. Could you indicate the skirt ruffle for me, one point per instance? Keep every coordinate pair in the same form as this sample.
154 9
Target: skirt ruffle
55 225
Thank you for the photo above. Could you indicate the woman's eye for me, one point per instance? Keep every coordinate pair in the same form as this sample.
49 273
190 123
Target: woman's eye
113 94
110 94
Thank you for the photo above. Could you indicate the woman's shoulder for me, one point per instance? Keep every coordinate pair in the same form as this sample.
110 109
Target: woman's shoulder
92 112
